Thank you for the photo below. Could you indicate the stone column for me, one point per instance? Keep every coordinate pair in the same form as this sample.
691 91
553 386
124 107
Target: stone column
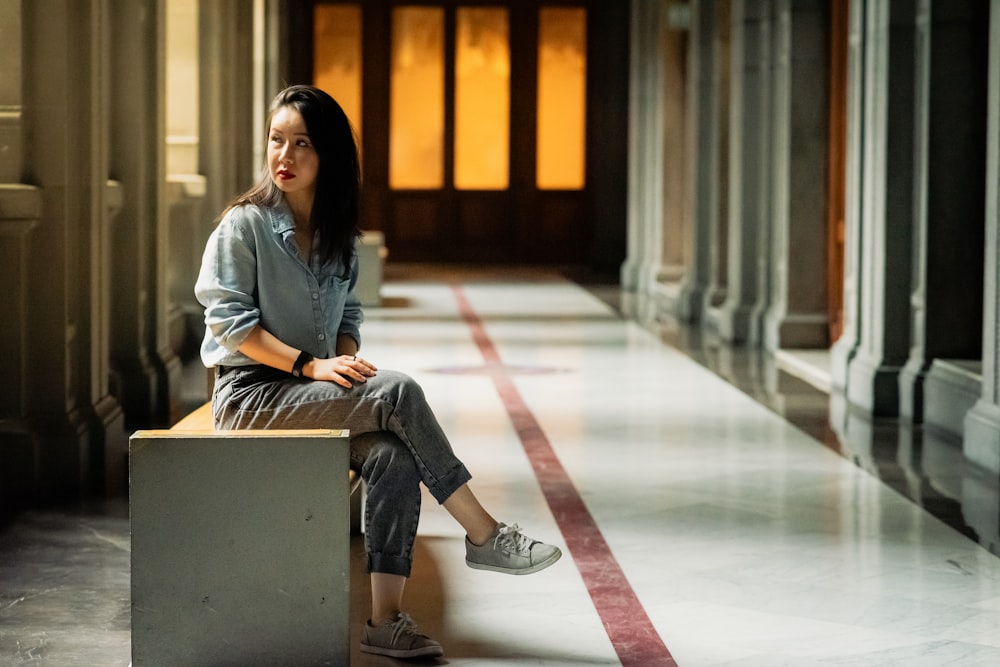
676 204
702 154
887 183
11 83
718 238
185 195
797 315
982 423
634 250
20 211
78 424
645 155
230 140
278 24
947 297
749 155
185 189
148 372
229 135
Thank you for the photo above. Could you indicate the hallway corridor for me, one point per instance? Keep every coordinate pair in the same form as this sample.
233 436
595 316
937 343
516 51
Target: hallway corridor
700 527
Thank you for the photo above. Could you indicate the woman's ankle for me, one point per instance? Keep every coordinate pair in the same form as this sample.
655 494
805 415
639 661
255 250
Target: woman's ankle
482 537
381 619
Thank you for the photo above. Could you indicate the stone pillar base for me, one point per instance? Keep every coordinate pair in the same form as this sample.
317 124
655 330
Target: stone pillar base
981 443
873 386
735 323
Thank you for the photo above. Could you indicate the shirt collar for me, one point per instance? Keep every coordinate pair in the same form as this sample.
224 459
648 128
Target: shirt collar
282 221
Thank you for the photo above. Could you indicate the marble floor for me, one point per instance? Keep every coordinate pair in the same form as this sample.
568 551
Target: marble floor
714 509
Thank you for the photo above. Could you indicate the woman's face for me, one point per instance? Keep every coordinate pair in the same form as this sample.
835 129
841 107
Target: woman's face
291 158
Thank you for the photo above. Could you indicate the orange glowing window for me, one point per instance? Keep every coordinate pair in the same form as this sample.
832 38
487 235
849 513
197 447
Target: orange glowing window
482 99
416 98
562 98
337 56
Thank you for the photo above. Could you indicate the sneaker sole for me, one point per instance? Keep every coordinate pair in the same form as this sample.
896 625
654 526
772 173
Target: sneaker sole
425 652
537 567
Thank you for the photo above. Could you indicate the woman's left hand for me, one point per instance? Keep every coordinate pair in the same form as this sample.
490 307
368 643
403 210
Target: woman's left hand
341 370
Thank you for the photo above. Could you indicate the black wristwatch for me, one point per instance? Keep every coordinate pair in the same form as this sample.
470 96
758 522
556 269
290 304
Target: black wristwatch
303 359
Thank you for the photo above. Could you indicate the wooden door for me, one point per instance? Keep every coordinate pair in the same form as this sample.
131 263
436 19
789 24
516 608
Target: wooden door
473 122
836 206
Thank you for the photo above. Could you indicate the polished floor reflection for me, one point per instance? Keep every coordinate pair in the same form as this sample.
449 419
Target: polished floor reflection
925 466
714 509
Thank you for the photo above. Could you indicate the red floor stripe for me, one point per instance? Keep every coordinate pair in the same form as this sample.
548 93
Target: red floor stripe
628 626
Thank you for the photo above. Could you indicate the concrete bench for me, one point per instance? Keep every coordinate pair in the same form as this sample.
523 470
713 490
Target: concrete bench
240 546
371 262
201 420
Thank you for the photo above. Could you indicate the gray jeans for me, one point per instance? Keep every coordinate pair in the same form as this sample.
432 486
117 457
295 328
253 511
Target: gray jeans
396 443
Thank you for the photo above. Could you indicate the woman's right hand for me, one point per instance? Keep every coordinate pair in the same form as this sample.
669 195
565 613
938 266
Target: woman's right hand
342 370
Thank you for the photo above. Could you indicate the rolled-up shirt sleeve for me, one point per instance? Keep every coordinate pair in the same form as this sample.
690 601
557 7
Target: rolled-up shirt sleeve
227 284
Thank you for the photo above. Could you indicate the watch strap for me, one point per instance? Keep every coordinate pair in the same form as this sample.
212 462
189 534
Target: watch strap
300 362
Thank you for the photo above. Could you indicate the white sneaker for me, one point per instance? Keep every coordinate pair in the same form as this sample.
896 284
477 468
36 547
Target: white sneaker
511 552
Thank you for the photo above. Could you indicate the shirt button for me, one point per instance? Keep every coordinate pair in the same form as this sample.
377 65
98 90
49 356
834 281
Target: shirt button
322 336
315 296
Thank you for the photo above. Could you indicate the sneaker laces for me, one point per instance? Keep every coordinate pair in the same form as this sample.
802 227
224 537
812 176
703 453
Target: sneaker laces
511 539
403 625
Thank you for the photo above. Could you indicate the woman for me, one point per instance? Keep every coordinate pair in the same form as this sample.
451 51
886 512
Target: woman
277 282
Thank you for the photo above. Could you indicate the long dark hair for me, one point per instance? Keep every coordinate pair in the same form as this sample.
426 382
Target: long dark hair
338 183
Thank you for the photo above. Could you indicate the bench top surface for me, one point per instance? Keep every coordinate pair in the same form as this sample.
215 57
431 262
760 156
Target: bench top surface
198 420
245 433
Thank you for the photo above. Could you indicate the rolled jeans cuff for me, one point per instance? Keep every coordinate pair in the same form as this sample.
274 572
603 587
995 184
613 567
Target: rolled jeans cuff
386 564
450 483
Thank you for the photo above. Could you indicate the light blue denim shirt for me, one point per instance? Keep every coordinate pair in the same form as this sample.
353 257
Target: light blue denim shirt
252 273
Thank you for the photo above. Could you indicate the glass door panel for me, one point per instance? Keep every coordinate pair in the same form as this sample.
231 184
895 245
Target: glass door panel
416 99
562 98
337 56
482 99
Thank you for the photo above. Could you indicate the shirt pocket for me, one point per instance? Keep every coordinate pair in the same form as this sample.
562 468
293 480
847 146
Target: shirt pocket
334 293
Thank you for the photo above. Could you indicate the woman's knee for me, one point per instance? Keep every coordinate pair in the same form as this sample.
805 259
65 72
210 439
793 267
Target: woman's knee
386 457
401 385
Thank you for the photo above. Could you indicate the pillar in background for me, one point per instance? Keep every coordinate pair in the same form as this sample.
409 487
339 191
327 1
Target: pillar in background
797 315
645 155
147 370
185 190
718 235
702 158
947 290
228 135
982 423
676 204
887 182
749 155
76 422
20 211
